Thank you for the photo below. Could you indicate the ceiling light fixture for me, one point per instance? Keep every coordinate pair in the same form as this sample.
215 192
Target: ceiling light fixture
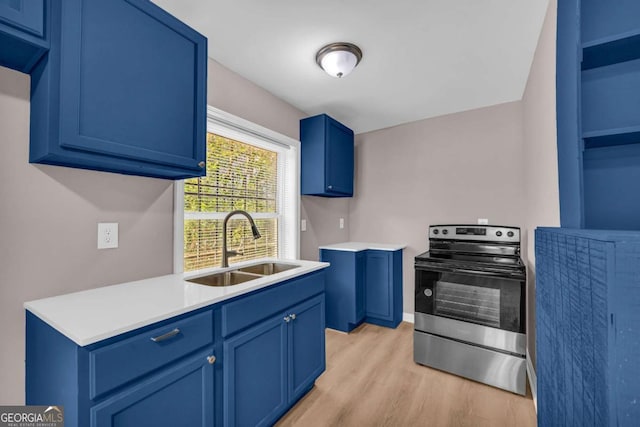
339 59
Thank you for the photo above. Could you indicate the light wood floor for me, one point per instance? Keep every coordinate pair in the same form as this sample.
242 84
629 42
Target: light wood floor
371 380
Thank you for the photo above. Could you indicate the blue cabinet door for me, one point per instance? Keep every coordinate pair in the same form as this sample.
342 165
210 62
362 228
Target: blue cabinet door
379 295
345 305
383 288
24 15
123 90
179 396
255 374
361 292
339 158
22 33
306 346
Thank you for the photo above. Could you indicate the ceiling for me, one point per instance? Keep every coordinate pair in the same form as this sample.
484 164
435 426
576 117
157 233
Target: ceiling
421 58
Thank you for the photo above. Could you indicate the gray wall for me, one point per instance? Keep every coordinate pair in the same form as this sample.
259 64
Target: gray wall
450 169
323 224
540 154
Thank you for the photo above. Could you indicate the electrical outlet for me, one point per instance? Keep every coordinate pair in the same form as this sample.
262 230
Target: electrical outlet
483 221
107 235
341 222
303 225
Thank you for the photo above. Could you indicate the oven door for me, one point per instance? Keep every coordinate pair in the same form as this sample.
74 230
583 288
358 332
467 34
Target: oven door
479 307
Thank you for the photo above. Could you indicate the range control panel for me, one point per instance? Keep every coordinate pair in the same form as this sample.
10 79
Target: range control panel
486 233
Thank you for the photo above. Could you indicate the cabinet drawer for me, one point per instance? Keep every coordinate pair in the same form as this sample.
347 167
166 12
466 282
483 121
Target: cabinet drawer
123 361
244 312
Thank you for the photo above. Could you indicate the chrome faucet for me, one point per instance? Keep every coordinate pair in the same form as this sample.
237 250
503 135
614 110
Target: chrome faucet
225 253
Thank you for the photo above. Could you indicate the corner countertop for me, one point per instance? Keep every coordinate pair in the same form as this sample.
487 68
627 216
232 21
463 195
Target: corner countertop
93 315
361 246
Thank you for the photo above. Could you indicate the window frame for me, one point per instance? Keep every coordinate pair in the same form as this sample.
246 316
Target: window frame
288 200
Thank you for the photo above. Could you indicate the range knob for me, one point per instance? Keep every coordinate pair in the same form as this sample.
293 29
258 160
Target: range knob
436 231
510 234
498 233
445 231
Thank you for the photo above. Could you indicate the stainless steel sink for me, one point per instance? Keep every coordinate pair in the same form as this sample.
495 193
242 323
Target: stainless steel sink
228 278
268 268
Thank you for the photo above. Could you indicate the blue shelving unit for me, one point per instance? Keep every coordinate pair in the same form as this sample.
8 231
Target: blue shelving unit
598 99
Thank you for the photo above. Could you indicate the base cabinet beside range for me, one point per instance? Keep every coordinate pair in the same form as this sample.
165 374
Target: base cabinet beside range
241 362
363 286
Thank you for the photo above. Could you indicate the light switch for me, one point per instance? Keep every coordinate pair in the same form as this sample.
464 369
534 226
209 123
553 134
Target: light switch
483 221
107 235
303 225
341 222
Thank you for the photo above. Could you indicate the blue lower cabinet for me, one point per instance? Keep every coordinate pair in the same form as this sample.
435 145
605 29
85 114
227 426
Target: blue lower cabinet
180 396
364 286
384 288
255 371
271 365
160 375
345 288
306 346
205 368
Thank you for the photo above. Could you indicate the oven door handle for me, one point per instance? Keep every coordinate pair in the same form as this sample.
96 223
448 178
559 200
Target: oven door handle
462 270
432 267
443 269
453 270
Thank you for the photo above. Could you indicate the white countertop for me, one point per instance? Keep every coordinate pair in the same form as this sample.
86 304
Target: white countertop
93 315
362 246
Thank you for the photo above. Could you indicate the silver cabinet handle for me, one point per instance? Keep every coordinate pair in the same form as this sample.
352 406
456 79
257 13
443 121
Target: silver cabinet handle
166 336
293 316
211 359
202 164
287 319
330 187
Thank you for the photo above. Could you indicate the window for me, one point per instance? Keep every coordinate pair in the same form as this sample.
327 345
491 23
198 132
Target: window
248 168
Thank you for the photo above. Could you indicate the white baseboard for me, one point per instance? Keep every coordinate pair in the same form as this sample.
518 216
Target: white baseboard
408 317
533 381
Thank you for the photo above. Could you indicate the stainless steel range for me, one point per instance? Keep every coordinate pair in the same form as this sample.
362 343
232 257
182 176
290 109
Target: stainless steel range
470 304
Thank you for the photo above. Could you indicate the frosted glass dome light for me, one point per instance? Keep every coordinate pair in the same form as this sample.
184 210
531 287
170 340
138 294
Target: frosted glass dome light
339 59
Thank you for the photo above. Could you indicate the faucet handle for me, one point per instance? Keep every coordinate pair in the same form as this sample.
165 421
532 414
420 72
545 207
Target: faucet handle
233 253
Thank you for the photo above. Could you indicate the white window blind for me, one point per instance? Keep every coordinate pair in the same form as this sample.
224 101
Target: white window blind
239 176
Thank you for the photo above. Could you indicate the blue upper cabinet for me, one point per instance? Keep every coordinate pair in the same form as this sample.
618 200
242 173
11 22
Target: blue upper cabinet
123 89
598 76
22 33
327 157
